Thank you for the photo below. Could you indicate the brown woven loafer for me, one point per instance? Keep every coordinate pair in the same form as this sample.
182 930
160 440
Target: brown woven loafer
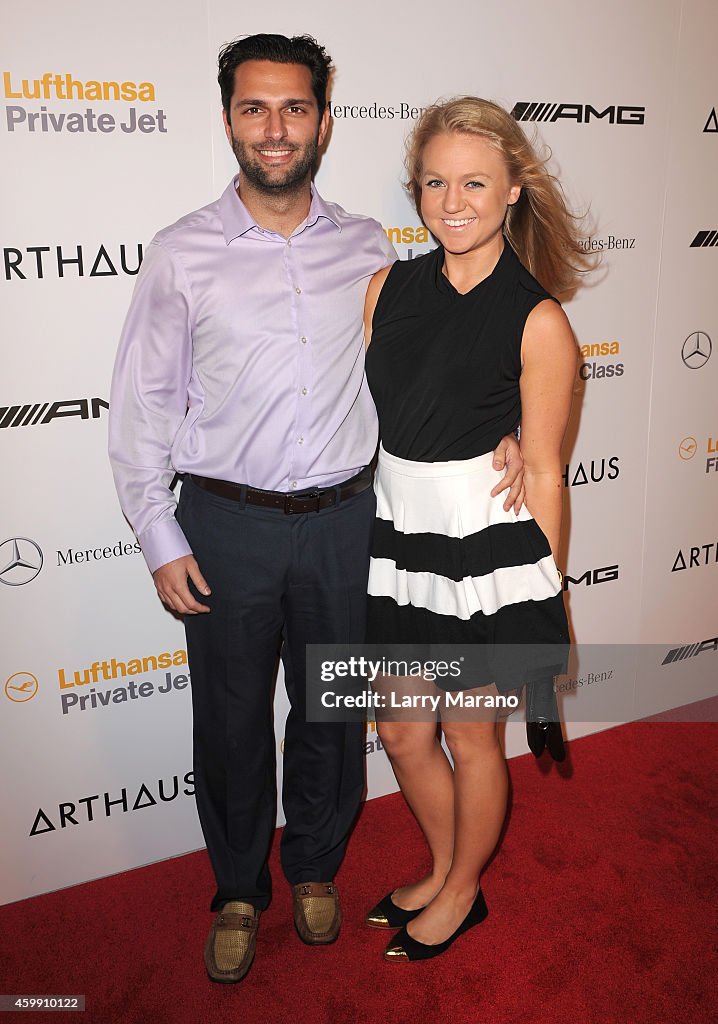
317 914
229 950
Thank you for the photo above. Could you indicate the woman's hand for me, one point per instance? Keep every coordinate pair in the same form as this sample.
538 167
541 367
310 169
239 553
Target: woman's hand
507 455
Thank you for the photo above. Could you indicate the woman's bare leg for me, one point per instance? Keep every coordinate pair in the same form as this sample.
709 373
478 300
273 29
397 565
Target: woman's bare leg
480 789
425 777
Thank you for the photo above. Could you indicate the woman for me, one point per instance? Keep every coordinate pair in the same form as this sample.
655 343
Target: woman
465 345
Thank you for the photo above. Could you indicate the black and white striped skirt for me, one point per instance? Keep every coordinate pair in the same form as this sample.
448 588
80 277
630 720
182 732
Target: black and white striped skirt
449 565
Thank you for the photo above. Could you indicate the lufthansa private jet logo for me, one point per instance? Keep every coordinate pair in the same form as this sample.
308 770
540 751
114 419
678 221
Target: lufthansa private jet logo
697 349
21 687
687 448
20 561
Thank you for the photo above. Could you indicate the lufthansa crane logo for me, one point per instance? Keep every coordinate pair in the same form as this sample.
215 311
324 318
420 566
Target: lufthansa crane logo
20 561
687 448
21 687
697 349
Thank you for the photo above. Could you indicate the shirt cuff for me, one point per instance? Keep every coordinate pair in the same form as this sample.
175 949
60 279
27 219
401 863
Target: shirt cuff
163 542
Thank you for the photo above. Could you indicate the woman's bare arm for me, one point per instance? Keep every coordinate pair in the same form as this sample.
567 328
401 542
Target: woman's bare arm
549 355
372 297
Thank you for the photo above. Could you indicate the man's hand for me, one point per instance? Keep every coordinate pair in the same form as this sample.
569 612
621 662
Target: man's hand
171 582
508 455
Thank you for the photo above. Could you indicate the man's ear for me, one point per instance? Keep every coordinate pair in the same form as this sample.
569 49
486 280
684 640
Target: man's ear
227 127
323 126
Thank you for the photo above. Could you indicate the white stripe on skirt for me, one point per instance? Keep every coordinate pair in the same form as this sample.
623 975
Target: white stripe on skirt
451 499
464 598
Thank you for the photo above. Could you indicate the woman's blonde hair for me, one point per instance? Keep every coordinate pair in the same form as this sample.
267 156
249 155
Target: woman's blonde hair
540 227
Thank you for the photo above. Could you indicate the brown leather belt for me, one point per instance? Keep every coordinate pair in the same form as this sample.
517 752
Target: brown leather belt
289 504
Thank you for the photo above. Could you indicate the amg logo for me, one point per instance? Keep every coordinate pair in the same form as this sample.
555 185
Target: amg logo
44 412
704 239
593 576
690 651
580 112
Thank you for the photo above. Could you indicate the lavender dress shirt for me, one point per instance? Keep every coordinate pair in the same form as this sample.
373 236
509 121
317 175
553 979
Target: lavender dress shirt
242 359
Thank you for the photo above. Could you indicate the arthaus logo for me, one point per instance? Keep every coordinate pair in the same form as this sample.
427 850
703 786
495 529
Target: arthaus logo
104 261
45 412
592 472
85 809
582 113
690 651
703 554
705 239
592 577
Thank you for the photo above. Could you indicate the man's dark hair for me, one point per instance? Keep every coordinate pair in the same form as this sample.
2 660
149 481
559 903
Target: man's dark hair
281 50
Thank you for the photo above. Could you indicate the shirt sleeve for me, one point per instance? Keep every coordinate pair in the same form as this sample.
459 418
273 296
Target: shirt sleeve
148 403
387 252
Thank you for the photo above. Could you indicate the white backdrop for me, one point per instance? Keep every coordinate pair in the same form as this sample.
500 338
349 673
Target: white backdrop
95 749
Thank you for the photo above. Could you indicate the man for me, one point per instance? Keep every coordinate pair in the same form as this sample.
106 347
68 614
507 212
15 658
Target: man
241 367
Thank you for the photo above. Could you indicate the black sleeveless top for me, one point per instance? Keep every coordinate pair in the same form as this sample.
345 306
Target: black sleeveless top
444 368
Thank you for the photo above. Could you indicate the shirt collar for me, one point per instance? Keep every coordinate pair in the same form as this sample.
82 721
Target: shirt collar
237 220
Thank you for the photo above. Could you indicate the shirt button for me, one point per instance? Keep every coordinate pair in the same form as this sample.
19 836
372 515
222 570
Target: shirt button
289 241
300 440
303 340
298 291
305 391
294 484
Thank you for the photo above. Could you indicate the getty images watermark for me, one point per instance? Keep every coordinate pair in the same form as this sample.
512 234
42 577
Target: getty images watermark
416 681
414 695
579 682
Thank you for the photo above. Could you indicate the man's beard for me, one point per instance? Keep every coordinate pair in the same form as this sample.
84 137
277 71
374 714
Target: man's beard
266 179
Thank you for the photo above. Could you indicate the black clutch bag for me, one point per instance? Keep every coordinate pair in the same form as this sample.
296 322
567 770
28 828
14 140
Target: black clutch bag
543 725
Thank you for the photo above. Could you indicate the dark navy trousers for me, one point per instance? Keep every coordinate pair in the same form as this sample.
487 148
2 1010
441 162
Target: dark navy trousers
278 583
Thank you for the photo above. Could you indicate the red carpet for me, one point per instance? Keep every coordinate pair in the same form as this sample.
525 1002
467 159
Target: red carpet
602 903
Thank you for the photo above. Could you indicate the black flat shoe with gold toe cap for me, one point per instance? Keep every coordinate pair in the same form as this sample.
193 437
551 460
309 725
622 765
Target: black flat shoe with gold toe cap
386 914
403 948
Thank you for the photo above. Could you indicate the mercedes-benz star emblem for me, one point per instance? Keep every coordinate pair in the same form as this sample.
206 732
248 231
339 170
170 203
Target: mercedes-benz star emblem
20 561
696 350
